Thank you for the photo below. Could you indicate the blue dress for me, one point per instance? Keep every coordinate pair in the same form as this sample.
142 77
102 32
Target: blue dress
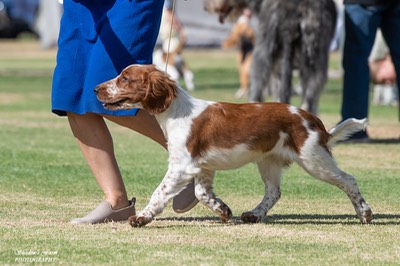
98 39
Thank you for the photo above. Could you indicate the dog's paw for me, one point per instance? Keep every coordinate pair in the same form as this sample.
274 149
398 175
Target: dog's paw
364 213
226 213
250 217
138 221
366 216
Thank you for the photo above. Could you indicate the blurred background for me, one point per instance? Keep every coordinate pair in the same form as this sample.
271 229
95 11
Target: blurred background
41 19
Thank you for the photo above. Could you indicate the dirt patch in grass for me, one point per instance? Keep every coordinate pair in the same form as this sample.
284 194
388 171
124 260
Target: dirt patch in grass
385 132
24 49
10 98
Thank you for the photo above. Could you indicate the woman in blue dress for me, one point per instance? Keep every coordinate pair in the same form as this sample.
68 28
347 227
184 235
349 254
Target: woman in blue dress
97 40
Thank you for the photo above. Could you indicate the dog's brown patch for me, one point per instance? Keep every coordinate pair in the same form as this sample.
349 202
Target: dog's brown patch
225 125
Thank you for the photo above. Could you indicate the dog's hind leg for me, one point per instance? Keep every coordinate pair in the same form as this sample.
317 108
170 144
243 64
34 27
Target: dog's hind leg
274 85
204 193
261 67
312 80
319 163
313 67
286 73
271 173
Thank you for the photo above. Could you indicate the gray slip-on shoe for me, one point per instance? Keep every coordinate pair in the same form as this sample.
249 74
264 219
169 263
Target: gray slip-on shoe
185 200
104 213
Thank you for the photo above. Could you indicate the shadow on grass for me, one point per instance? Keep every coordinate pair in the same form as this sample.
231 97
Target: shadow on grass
287 219
371 141
378 219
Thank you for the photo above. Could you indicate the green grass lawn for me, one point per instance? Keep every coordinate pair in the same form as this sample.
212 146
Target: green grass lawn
44 183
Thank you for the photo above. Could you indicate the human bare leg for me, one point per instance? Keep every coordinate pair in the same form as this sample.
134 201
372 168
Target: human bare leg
95 141
143 123
96 144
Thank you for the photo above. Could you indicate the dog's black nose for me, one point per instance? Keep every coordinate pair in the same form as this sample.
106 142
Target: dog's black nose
96 89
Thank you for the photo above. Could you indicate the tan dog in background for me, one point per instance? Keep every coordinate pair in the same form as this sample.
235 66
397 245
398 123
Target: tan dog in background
243 37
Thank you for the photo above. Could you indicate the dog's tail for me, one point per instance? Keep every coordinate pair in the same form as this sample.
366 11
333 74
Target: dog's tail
345 129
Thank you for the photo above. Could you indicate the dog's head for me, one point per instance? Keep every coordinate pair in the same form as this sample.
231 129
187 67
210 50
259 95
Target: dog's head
138 86
230 9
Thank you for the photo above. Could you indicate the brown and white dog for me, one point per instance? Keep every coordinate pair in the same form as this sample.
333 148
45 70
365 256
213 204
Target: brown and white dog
205 136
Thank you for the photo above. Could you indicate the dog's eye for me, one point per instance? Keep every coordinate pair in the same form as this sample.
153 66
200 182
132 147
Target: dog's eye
124 79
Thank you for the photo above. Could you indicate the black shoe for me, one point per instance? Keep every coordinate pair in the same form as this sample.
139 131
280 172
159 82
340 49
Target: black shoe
359 137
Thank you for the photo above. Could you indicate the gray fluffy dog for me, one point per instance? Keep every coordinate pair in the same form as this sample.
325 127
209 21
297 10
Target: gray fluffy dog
292 34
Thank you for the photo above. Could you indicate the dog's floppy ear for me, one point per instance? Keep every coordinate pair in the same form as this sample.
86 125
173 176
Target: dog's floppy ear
160 91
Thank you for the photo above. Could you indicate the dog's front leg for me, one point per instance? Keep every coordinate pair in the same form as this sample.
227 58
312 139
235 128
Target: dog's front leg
204 192
172 183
